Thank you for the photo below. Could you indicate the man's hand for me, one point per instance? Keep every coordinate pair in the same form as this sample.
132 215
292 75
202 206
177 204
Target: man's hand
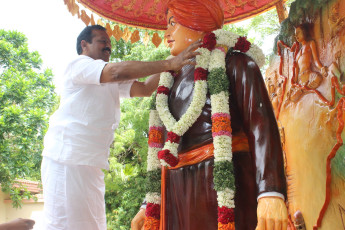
138 221
272 214
18 224
184 57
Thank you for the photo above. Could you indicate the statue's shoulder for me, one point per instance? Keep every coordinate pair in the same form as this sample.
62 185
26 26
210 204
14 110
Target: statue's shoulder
236 44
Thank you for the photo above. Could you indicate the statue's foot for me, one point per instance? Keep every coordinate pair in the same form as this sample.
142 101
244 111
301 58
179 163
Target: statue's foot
315 80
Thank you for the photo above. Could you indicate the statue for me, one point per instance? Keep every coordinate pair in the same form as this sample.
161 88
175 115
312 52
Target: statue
274 87
306 54
304 58
223 165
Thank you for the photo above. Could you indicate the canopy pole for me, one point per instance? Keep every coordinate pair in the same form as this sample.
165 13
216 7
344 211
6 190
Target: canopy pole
281 11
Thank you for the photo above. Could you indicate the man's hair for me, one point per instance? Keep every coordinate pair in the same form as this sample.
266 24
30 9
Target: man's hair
307 30
86 35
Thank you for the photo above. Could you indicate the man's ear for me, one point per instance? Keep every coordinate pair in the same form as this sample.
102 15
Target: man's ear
83 44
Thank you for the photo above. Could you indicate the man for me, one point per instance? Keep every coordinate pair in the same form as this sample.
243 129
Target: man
76 146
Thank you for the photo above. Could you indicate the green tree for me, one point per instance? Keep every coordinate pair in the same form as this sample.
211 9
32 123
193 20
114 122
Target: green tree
125 180
26 100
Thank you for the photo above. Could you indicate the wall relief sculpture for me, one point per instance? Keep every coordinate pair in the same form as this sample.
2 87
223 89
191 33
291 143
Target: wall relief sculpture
306 84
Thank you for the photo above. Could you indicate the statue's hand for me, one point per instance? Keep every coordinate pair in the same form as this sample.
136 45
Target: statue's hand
177 62
272 214
138 221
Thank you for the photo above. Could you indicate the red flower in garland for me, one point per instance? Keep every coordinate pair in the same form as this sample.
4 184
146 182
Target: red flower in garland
200 74
209 41
226 215
173 73
168 157
242 44
163 89
173 137
153 210
162 153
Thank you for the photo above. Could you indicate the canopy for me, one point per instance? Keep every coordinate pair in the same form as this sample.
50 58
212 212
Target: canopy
151 14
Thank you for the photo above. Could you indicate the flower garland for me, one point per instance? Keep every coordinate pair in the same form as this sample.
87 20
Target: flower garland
210 71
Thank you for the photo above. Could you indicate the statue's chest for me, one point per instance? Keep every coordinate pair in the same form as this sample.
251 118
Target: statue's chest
181 93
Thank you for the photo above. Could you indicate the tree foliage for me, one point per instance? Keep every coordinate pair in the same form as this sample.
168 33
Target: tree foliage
26 99
125 180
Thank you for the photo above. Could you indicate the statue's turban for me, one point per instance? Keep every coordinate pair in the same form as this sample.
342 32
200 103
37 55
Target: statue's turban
200 15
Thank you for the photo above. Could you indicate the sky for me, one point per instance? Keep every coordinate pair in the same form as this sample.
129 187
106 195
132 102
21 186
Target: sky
49 26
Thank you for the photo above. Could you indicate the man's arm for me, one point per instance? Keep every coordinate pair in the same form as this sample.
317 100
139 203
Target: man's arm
129 70
146 88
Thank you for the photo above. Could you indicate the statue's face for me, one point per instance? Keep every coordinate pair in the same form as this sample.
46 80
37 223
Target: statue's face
299 35
178 36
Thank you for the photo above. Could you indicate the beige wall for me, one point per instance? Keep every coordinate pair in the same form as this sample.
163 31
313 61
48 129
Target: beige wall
30 209
2 207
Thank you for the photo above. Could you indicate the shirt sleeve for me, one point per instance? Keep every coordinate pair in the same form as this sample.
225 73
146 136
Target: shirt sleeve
86 70
125 88
271 194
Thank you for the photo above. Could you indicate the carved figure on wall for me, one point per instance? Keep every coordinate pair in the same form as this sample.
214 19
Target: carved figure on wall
275 89
337 23
313 127
304 79
306 55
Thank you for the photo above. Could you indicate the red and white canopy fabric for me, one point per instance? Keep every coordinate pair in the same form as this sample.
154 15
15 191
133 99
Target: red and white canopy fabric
151 14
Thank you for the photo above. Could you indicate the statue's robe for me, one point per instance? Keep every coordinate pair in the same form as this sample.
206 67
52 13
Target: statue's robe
191 201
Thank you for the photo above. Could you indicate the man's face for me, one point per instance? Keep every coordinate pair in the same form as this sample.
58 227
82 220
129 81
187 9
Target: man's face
99 48
178 36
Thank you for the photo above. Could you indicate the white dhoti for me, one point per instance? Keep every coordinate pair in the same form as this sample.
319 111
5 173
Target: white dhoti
73 196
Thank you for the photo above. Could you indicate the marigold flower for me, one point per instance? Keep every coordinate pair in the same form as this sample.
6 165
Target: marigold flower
151 223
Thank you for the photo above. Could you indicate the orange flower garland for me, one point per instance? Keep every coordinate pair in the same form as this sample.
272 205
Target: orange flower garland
228 226
156 137
151 223
221 124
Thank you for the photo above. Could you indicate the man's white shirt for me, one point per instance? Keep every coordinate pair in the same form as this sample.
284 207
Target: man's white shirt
82 129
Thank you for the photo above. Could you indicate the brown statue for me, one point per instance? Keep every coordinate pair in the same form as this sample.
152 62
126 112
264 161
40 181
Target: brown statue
190 197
